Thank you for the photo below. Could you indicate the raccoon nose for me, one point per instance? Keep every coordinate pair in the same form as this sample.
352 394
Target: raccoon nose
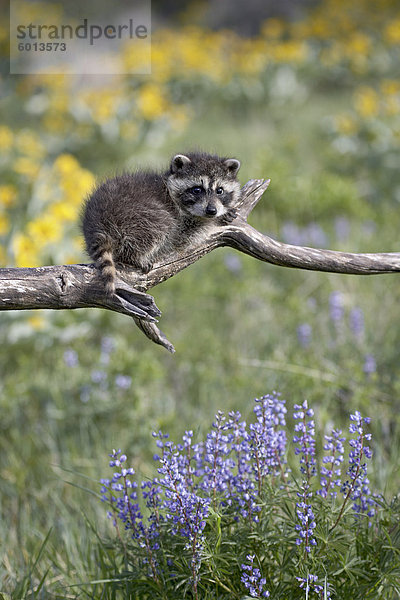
211 210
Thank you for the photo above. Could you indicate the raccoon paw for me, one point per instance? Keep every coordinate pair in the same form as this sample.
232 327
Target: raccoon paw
146 267
229 216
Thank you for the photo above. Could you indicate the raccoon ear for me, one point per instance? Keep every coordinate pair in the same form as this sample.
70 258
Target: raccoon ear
233 165
178 162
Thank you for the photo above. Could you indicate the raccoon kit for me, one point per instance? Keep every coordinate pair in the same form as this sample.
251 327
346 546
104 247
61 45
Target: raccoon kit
136 219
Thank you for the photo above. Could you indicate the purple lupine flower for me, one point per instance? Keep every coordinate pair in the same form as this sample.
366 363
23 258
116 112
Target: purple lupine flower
184 509
121 494
98 376
107 346
233 263
305 440
239 442
267 437
225 469
309 584
304 332
369 365
185 458
71 358
123 382
217 471
120 491
306 449
331 464
160 443
152 493
357 486
252 579
336 308
357 322
240 489
306 517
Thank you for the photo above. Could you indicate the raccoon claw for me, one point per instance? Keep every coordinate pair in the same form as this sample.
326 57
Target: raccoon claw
229 216
137 303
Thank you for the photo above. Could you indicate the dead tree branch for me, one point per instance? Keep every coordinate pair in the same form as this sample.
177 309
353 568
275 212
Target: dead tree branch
77 286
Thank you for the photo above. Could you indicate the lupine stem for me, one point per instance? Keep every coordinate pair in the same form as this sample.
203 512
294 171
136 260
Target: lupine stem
150 554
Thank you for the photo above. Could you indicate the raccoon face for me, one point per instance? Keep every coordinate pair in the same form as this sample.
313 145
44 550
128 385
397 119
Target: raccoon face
204 185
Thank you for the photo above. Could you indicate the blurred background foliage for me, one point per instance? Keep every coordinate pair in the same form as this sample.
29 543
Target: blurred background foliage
307 94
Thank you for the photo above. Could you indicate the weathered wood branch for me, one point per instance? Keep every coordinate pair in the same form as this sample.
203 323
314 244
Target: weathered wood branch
78 286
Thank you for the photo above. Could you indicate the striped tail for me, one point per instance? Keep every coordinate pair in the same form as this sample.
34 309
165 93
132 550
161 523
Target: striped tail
105 264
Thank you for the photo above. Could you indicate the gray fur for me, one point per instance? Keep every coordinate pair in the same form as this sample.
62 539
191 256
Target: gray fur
137 218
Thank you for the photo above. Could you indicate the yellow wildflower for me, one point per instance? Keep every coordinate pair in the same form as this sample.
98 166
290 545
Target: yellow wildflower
198 51
27 167
8 193
6 137
59 102
25 251
273 28
320 26
161 63
54 82
28 142
290 51
390 86
251 56
358 43
85 183
137 57
63 211
392 32
55 123
151 101
346 125
66 164
105 106
366 102
129 130
68 188
44 229
37 322
75 187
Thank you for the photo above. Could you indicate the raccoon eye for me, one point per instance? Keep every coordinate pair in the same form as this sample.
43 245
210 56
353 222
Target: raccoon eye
197 189
219 190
